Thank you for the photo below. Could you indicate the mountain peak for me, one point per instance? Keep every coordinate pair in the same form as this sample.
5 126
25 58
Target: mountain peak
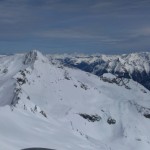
34 55
51 102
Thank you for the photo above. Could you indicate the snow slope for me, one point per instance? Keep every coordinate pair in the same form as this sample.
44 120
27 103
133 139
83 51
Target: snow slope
52 106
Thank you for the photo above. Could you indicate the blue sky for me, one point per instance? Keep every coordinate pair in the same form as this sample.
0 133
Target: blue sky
69 26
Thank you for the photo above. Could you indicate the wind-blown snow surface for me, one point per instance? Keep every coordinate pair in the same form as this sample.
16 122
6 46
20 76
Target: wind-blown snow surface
51 106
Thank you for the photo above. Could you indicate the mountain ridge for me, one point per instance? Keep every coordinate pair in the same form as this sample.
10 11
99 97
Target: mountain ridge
135 66
64 108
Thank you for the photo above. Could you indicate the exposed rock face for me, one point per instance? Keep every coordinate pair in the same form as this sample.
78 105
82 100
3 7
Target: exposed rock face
91 118
32 56
111 121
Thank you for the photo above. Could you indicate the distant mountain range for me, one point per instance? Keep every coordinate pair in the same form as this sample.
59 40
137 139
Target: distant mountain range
134 66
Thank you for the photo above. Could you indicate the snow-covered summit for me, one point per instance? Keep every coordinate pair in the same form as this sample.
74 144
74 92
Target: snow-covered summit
34 55
49 105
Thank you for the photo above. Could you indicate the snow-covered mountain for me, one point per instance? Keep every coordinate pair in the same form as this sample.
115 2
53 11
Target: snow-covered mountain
135 66
44 104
